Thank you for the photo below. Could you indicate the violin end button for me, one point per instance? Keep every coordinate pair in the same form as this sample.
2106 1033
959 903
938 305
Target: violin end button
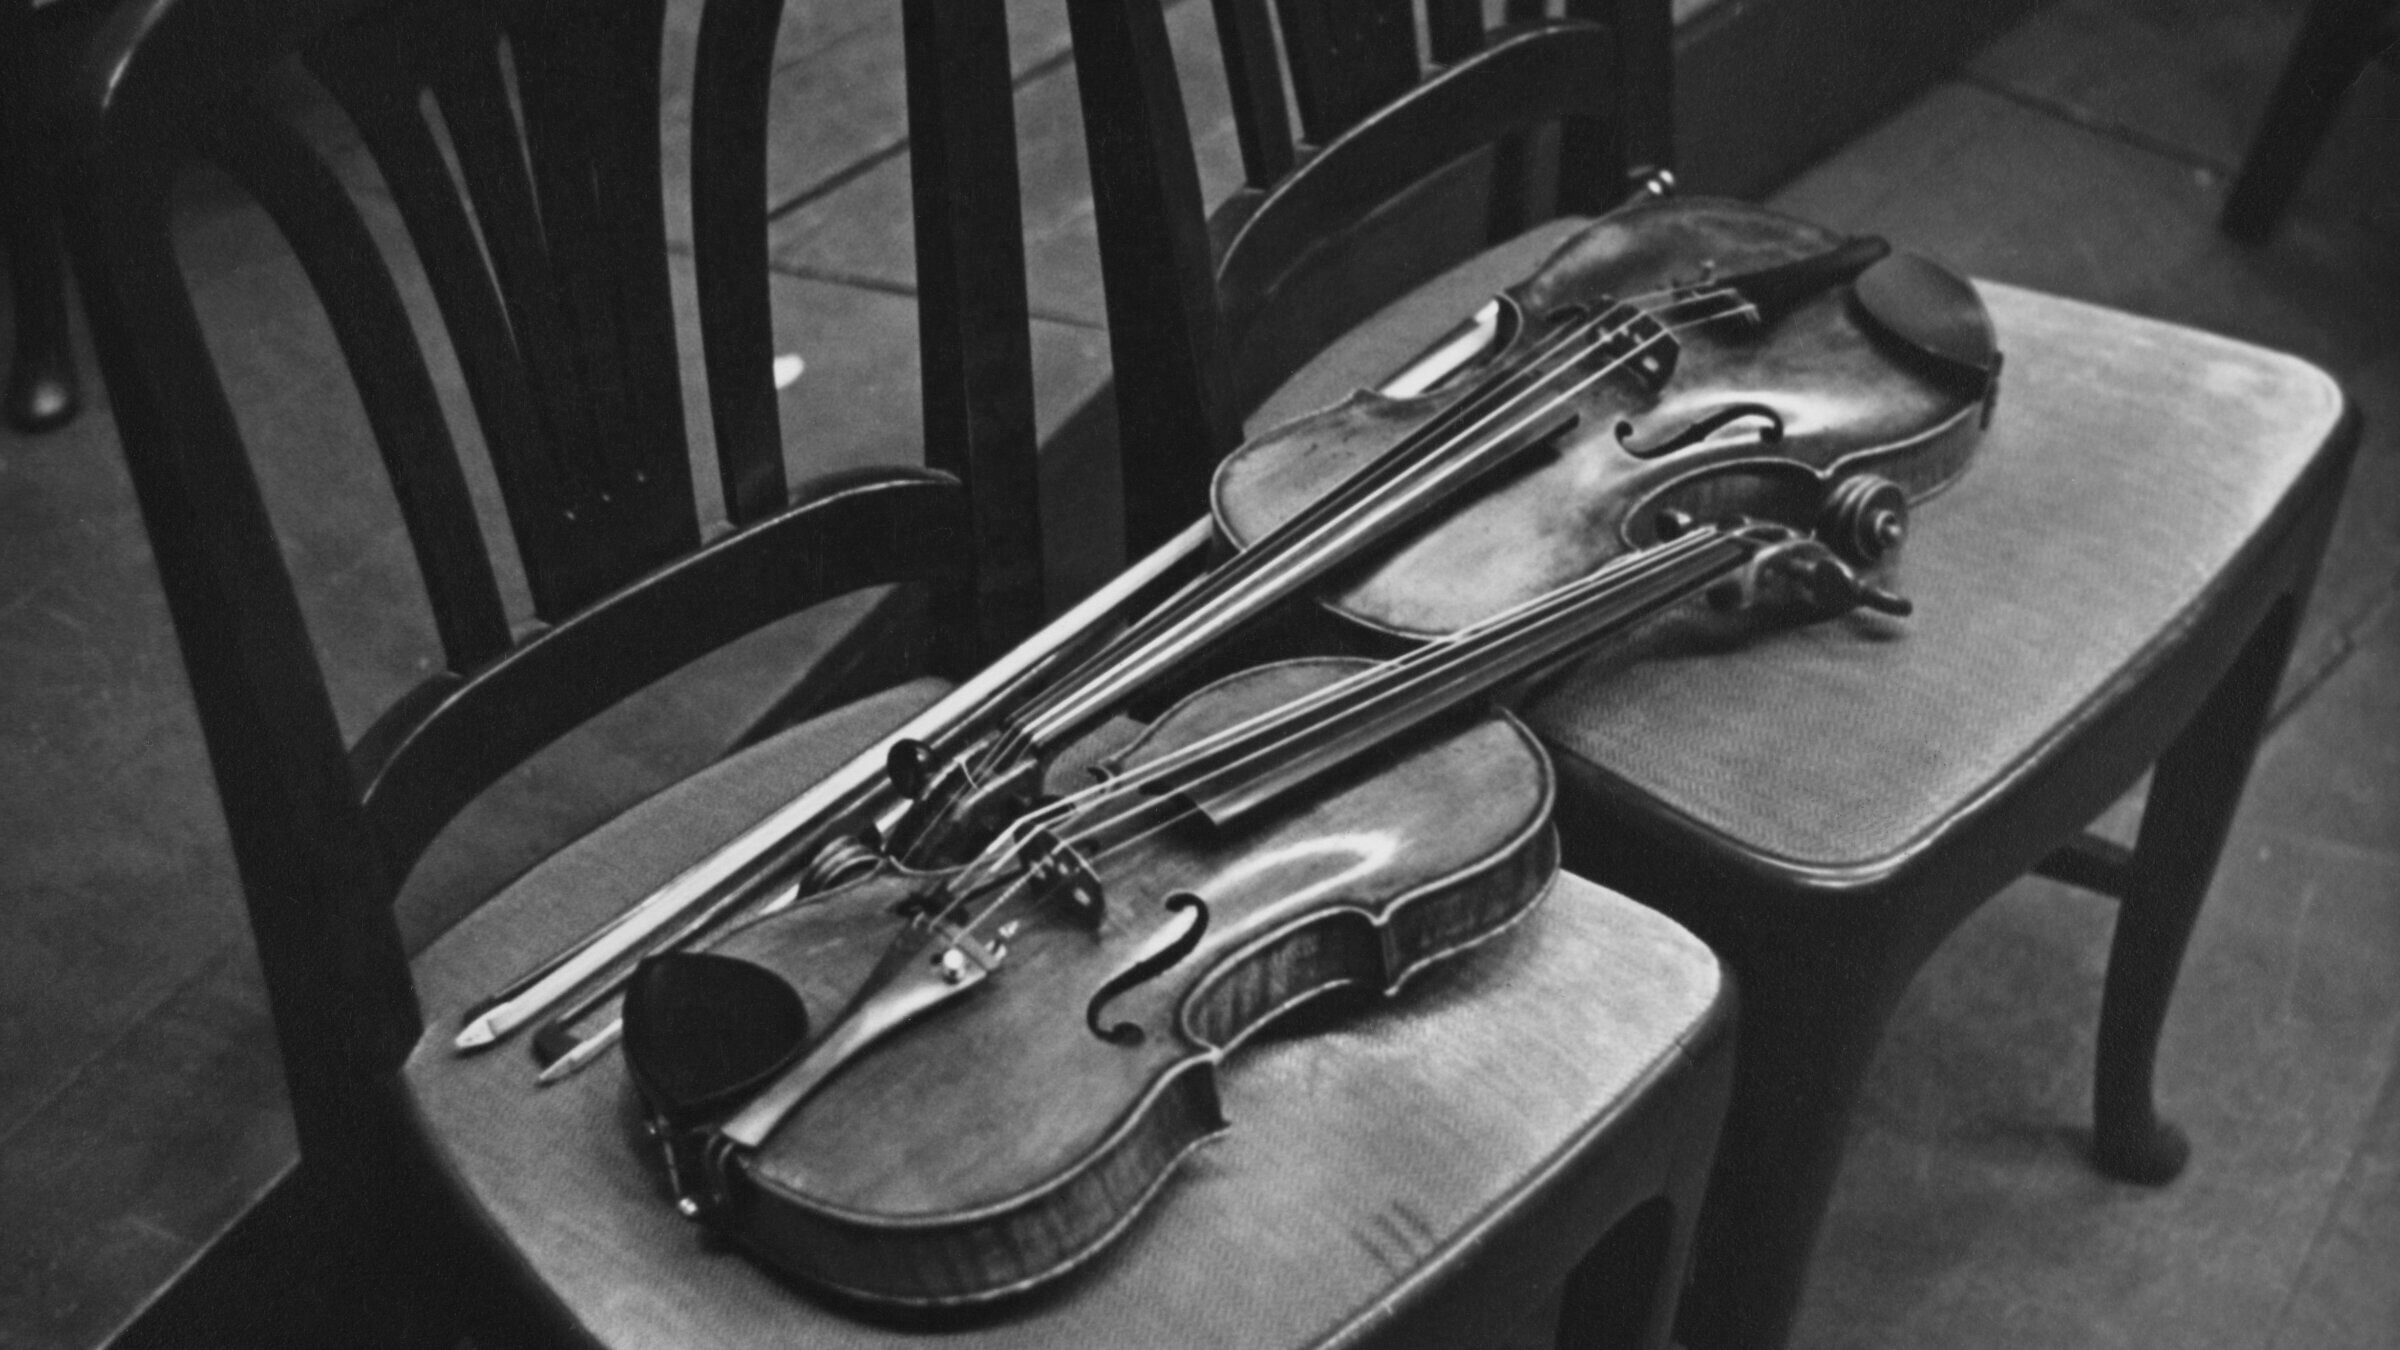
1888 530
1885 602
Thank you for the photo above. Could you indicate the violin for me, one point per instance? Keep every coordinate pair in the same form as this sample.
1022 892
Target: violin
1755 397
1023 1047
1656 371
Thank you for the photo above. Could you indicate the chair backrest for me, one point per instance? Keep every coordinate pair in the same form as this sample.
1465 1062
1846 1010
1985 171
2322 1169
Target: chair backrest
520 143
1210 311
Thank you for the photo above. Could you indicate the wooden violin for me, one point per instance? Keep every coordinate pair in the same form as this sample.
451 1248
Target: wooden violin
1754 398
1022 1048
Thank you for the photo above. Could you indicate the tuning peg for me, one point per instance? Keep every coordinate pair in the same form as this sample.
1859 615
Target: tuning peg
1865 519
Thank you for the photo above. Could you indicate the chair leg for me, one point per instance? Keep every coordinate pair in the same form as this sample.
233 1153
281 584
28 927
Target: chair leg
42 390
1611 1294
2336 40
1812 1015
1625 1292
2193 794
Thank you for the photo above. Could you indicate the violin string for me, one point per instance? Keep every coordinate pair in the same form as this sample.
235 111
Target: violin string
1569 393
1364 694
1385 686
1044 720
1128 782
1040 721
1017 736
1326 513
1632 301
1437 658
1330 510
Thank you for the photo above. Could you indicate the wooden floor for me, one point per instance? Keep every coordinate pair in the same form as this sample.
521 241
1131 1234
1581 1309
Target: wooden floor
2085 152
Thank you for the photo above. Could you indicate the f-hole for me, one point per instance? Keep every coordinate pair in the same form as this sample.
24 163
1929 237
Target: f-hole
1148 969
1769 432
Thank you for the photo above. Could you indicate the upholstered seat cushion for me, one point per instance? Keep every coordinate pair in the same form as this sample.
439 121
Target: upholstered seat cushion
2129 465
1515 1067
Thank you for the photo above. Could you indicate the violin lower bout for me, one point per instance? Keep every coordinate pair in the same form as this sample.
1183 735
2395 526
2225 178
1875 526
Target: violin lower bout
1001 1143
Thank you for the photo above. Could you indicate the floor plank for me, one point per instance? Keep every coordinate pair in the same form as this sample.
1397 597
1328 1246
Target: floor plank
2346 1299
2180 76
2002 191
154 1147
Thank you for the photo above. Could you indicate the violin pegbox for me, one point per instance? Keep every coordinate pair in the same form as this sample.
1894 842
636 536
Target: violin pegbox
1832 569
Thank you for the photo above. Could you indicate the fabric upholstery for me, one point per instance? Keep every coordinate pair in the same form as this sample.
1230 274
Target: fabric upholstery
1516 1061
2129 463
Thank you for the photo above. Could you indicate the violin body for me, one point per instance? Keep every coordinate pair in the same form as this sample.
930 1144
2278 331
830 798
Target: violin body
1892 377
1005 1138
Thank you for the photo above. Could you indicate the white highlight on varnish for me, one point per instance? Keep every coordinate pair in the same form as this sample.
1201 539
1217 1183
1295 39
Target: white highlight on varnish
1368 850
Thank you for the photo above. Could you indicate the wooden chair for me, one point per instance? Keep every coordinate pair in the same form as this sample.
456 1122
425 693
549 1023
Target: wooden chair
2337 39
2114 586
1425 1175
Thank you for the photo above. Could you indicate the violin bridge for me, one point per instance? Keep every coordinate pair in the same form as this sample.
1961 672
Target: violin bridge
1637 346
1057 868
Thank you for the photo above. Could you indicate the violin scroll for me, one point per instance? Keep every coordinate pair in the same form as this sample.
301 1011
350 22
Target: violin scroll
1824 573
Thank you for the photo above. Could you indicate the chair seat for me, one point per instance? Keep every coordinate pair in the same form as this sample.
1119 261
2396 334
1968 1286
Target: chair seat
2130 469
1324 1209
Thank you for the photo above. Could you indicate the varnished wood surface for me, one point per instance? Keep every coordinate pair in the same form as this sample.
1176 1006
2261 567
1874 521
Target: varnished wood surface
1362 1161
